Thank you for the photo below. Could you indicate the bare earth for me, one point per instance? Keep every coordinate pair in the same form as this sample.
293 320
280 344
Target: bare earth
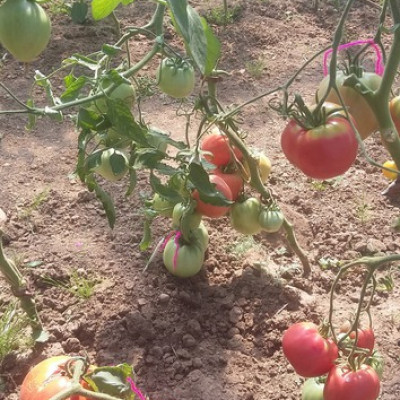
217 335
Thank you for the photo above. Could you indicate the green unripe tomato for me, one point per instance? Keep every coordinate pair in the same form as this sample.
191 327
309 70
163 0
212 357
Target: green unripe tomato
312 390
25 29
377 362
176 77
200 235
163 207
244 216
124 91
177 214
113 165
189 258
271 220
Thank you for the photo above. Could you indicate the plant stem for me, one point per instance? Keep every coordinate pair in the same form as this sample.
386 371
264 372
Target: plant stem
19 288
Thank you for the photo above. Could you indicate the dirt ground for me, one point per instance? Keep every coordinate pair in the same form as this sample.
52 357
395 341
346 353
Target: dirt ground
216 335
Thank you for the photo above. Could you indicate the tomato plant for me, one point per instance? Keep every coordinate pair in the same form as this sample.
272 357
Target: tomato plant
308 351
344 383
25 29
358 106
323 151
394 107
222 153
313 389
183 259
271 219
365 336
176 77
210 210
244 216
113 165
233 180
47 379
376 361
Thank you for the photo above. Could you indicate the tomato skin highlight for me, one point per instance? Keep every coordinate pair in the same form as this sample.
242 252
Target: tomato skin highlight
208 209
308 352
25 29
218 145
46 379
357 105
323 152
176 78
343 383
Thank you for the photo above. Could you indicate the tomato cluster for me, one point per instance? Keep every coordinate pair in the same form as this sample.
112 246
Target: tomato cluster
314 355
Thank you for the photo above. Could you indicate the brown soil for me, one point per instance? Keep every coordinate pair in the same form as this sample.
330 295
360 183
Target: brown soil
217 335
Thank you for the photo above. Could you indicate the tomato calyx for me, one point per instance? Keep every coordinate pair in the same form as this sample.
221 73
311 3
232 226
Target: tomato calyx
312 117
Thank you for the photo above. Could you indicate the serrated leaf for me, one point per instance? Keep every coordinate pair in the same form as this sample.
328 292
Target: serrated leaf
103 8
73 88
200 179
89 119
165 169
385 284
200 41
83 61
148 158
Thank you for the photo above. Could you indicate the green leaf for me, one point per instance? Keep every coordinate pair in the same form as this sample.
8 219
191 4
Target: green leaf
132 181
200 179
82 60
117 163
385 284
107 203
79 12
148 158
73 87
103 8
112 381
123 121
166 191
200 41
146 238
88 119
110 50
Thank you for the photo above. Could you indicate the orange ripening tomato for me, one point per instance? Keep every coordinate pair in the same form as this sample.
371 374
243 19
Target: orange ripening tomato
48 378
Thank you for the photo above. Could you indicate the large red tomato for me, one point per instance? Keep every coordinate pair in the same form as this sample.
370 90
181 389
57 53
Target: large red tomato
46 379
309 353
343 383
233 180
221 151
322 152
208 209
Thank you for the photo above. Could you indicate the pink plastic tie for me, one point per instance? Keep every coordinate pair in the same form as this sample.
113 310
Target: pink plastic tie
166 240
379 67
176 240
135 389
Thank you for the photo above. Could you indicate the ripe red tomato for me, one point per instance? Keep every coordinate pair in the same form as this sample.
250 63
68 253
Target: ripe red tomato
308 352
343 383
354 100
46 379
208 209
221 151
365 339
234 181
323 152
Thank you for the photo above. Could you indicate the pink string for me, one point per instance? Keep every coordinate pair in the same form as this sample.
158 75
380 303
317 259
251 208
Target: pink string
378 63
177 234
135 389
